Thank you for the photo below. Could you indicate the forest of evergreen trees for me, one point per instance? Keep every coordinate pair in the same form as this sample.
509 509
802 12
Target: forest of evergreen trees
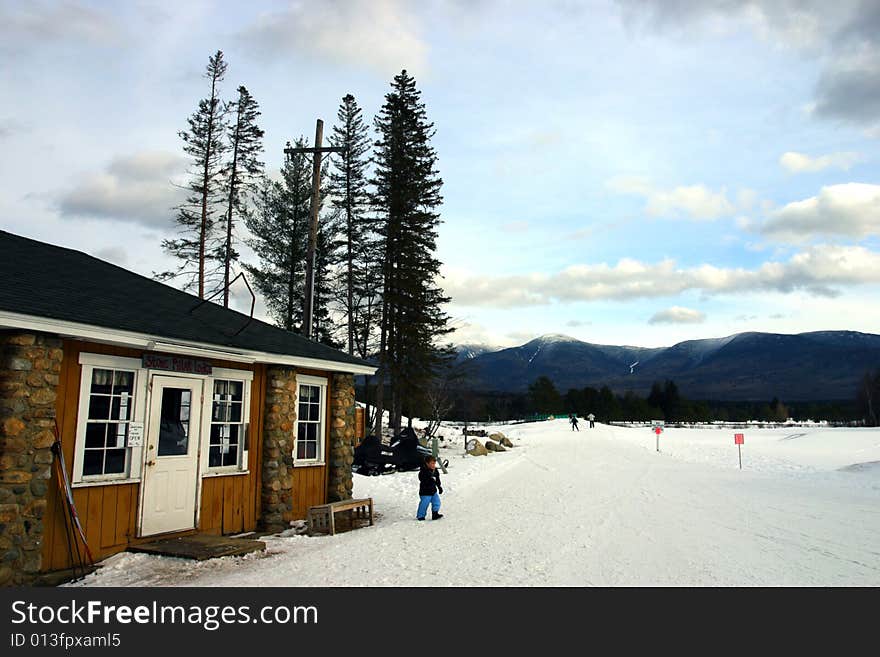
375 270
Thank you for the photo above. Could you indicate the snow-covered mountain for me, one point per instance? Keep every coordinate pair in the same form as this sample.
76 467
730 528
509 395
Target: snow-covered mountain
744 366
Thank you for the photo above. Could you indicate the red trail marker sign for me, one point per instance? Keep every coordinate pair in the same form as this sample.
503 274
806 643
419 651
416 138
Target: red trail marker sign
738 440
658 431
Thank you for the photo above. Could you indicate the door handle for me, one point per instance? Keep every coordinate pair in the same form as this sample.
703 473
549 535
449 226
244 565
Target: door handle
149 463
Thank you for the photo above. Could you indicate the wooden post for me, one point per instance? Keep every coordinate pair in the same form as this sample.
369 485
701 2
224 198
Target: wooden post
740 447
309 305
317 150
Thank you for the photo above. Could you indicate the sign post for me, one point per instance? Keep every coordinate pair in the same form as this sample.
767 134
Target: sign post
738 440
658 429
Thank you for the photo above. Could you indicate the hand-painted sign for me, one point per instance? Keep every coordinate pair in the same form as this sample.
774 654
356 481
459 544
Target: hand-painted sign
176 364
135 434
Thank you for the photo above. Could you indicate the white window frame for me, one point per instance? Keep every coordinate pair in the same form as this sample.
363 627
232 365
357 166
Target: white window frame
89 363
246 377
320 382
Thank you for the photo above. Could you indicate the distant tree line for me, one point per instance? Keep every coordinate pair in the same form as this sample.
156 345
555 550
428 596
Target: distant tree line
664 402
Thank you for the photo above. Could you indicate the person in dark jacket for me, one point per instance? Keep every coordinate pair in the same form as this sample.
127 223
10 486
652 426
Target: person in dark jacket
430 489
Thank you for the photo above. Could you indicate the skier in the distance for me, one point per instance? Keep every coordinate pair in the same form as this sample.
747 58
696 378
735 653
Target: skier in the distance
592 419
574 422
429 489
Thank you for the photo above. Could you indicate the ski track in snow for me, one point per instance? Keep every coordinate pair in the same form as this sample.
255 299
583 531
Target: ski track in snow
594 507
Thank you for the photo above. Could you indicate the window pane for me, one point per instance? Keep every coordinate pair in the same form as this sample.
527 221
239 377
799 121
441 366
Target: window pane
116 435
93 462
173 433
301 450
312 432
120 407
235 412
236 390
99 407
215 460
95 434
216 434
220 387
311 451
305 393
233 430
115 462
314 412
231 456
102 381
123 382
302 412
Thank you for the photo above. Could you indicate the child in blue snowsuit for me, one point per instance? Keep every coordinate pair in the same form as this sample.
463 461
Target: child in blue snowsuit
429 489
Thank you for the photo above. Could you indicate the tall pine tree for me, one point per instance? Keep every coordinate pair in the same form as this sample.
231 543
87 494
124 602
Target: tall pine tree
197 244
406 199
241 175
349 197
280 227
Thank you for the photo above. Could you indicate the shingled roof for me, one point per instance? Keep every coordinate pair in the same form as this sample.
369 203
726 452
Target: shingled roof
48 281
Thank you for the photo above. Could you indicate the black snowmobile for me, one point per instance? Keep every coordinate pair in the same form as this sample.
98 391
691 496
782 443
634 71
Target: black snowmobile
405 453
371 457
408 451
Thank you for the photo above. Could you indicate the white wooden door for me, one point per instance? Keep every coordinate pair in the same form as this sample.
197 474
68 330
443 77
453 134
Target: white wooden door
169 486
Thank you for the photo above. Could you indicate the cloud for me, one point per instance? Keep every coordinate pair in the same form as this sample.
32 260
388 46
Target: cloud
381 35
849 89
114 254
678 315
135 188
516 227
846 33
577 323
818 270
800 163
790 23
850 210
28 25
693 202
10 127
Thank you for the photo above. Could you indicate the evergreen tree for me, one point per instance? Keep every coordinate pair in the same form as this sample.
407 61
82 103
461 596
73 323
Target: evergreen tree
198 242
348 191
544 396
241 174
327 258
406 198
280 229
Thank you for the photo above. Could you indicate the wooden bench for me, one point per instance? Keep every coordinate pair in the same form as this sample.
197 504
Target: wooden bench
321 518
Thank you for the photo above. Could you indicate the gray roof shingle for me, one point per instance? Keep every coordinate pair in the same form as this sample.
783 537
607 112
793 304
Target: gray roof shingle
54 282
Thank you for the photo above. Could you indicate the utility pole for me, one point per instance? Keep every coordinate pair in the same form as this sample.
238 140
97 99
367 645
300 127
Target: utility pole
317 151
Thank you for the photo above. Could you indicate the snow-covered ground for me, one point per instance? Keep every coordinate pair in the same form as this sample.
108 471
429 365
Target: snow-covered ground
595 507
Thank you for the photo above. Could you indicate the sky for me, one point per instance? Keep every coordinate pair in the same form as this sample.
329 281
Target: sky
619 171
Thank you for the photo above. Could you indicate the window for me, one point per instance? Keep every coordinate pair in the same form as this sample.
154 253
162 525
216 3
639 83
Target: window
110 408
309 439
111 400
228 419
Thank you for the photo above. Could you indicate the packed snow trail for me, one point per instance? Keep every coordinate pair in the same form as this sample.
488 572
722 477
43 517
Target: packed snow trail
595 507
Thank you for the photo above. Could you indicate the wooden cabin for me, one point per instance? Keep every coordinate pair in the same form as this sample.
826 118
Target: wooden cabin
173 415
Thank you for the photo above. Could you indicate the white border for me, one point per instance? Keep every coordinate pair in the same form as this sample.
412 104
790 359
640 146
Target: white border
89 362
321 459
151 342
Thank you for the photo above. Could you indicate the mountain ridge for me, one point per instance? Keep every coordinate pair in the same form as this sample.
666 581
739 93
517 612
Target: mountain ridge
816 365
